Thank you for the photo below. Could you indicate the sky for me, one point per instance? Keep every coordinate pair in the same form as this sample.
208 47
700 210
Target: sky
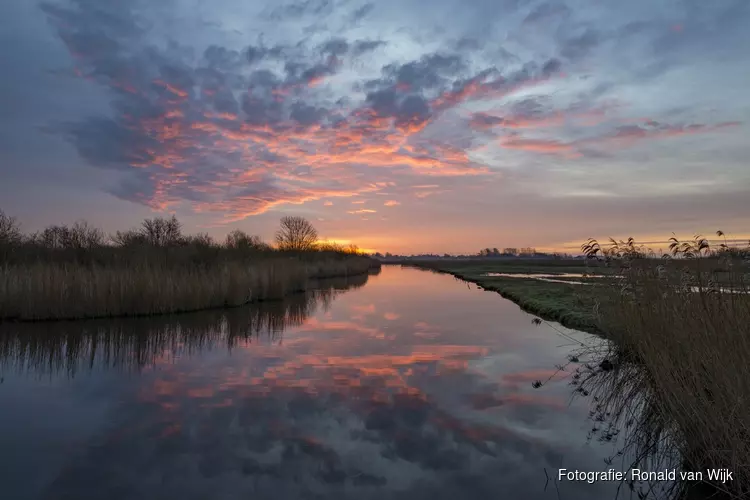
399 125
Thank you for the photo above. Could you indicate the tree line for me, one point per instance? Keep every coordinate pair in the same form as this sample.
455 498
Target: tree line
295 234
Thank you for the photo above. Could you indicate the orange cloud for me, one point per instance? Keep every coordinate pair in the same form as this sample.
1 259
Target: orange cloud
362 211
652 130
425 194
391 203
538 146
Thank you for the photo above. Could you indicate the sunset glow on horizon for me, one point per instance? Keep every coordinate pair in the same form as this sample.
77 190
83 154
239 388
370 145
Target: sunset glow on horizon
401 127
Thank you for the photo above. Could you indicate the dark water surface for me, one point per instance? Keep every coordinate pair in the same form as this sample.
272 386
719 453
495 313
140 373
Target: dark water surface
410 386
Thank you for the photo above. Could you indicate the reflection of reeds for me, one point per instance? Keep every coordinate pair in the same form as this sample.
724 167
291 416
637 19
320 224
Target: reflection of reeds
686 384
626 410
135 343
49 290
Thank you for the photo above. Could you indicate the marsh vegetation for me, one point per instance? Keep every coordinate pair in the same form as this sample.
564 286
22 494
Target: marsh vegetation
72 272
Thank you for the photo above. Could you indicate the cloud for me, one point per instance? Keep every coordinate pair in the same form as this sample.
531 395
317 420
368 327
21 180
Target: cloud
362 211
190 126
234 112
628 134
361 12
538 146
391 203
364 46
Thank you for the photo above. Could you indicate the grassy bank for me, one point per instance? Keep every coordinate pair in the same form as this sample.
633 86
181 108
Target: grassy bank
75 272
567 303
679 381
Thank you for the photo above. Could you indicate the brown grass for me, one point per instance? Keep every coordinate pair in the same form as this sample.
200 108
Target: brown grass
135 343
75 272
686 327
44 290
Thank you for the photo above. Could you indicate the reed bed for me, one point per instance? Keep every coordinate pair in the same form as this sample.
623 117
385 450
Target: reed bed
43 290
685 324
135 343
76 272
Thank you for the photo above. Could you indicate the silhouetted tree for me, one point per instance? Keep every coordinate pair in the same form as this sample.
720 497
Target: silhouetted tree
79 236
240 240
128 238
296 233
199 240
10 230
162 232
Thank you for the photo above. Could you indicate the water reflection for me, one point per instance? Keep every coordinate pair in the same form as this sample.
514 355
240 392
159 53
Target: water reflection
551 278
134 343
412 386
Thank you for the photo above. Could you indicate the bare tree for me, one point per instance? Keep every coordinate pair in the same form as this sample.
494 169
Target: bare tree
80 235
10 230
128 238
296 233
203 240
240 240
162 232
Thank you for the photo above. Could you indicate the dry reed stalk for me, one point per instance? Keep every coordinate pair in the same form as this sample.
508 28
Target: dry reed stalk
47 290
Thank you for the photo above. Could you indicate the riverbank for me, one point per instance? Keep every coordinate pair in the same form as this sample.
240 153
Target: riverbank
80 272
563 301
682 328
69 290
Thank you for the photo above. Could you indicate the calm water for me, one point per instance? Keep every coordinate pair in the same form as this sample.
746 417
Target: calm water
412 386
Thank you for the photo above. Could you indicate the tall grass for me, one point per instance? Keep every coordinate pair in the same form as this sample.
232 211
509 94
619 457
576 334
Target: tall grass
135 343
73 272
685 322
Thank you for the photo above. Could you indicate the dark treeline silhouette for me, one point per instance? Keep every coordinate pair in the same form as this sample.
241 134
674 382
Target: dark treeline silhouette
483 254
156 238
78 271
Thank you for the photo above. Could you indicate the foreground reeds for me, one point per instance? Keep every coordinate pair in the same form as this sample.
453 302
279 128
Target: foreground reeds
685 325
